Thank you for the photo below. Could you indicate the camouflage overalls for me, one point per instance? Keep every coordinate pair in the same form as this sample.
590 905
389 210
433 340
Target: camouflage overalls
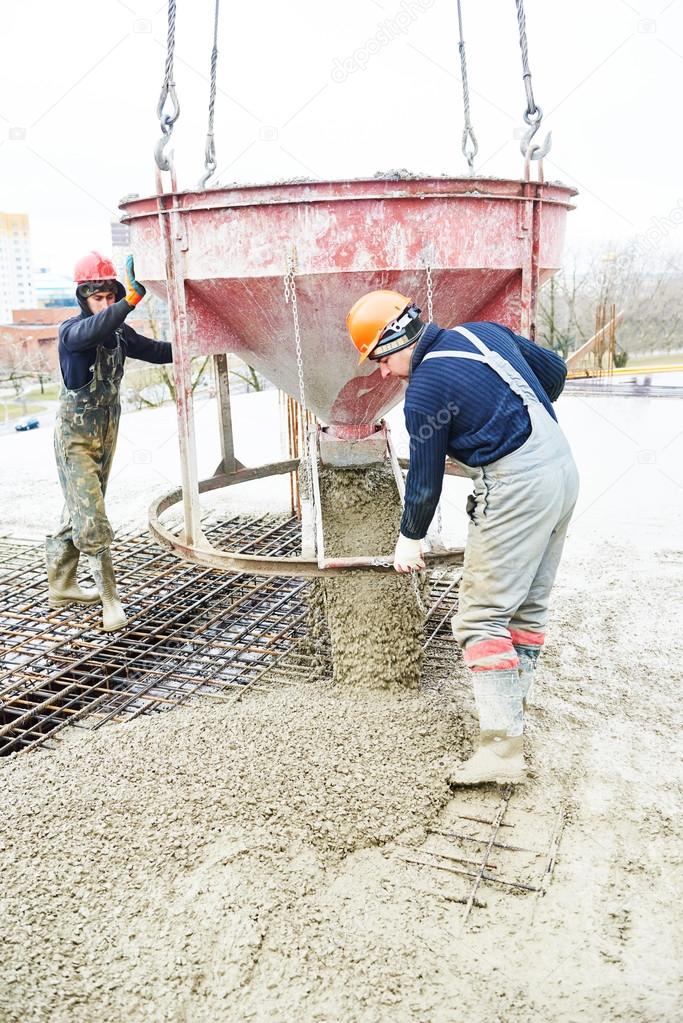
86 429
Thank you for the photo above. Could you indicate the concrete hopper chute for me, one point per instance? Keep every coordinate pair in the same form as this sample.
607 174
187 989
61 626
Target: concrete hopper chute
269 272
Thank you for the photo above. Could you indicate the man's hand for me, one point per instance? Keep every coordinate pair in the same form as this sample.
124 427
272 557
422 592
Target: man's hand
135 292
408 555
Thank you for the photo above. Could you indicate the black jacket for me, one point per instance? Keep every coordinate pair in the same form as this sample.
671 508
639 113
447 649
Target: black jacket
80 336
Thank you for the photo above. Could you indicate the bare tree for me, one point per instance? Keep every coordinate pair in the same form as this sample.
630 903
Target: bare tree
649 298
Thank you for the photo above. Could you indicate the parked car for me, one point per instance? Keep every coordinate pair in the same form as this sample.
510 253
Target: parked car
28 423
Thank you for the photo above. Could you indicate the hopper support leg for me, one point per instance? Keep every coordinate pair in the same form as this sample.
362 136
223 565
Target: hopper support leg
228 462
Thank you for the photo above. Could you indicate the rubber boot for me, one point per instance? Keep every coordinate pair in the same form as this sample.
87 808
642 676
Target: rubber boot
528 659
61 558
499 758
113 615
500 753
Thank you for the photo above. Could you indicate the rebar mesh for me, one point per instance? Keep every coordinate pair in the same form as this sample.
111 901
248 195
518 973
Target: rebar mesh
192 632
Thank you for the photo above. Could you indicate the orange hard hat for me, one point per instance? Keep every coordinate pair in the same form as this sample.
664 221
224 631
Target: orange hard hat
371 315
94 267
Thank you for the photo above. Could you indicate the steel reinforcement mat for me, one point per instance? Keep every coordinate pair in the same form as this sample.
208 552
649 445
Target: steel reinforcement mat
192 632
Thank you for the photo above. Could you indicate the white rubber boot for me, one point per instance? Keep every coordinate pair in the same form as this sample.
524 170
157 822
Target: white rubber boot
61 558
113 615
499 757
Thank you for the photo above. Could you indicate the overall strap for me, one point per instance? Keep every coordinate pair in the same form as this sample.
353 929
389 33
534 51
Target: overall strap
496 362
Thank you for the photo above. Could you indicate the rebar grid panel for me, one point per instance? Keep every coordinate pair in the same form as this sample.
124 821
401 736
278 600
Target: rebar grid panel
455 855
191 631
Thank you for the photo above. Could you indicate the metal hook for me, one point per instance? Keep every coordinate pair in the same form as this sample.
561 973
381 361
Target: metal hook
209 161
163 162
534 152
166 122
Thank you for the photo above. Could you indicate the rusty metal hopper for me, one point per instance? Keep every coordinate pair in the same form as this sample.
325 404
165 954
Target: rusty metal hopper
489 243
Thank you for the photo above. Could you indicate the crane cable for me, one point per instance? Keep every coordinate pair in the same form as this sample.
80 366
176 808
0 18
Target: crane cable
210 147
470 146
167 120
533 115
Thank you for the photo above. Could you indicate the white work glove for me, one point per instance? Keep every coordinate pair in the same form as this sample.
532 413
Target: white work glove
408 554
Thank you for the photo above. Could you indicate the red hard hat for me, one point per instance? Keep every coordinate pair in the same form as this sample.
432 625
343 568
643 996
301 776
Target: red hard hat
94 267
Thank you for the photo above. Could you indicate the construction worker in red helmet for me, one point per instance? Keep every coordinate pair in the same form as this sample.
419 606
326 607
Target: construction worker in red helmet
92 350
482 396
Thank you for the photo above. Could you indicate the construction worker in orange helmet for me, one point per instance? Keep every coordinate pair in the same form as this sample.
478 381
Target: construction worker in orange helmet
93 347
482 395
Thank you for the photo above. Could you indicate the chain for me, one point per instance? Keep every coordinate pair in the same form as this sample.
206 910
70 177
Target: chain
166 121
470 146
430 296
210 147
291 297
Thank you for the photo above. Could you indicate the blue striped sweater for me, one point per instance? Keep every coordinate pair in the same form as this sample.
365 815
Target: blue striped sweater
463 409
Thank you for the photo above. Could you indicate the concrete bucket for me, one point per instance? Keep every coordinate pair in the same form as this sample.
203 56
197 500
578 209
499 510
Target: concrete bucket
251 269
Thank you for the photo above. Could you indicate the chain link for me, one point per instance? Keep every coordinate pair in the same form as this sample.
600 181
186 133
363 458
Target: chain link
210 147
289 282
167 120
470 146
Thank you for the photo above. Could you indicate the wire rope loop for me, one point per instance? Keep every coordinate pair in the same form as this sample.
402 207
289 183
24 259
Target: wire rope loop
168 93
209 147
468 136
533 117
470 146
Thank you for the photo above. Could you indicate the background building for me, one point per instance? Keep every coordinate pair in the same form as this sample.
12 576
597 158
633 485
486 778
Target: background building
16 291
51 289
28 345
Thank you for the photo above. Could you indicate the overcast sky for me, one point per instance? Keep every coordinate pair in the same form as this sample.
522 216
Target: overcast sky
338 88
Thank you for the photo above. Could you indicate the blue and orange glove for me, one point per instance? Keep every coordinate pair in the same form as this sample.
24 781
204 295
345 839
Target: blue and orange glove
135 292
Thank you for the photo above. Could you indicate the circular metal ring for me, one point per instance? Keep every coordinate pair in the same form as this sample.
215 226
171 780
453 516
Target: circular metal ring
204 553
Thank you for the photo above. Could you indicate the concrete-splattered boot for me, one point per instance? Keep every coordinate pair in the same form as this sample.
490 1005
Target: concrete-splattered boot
528 659
499 756
113 615
528 648
61 559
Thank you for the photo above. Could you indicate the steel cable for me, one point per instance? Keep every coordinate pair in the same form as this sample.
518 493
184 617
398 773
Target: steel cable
468 135
210 147
167 120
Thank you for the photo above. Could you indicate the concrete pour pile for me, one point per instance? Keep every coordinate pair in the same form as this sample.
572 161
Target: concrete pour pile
186 861
374 620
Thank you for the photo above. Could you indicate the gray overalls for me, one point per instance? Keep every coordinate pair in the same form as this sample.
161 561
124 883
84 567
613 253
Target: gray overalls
85 439
522 506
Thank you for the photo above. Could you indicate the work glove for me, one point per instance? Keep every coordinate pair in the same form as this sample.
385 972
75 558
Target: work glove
135 292
408 554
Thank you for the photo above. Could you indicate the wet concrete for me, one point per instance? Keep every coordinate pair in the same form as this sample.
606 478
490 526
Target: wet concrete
374 619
